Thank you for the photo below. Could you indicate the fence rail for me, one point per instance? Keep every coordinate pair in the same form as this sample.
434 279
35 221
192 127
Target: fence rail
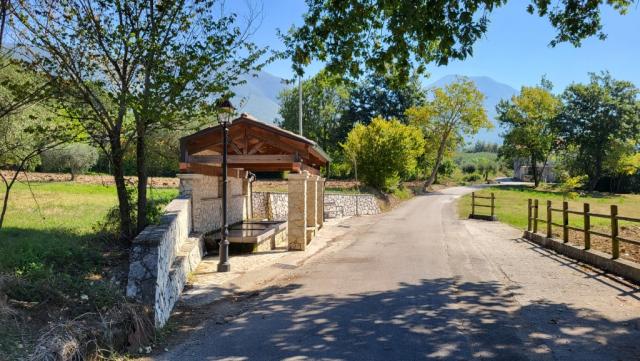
534 219
491 205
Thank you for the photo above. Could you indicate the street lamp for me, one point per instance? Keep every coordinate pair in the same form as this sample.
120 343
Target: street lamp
225 112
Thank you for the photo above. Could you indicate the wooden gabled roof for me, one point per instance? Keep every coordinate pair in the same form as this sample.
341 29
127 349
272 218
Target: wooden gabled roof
254 146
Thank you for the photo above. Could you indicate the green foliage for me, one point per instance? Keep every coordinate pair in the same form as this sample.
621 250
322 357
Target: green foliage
530 122
469 168
453 112
447 167
325 101
474 177
381 96
601 123
76 158
385 151
357 35
482 147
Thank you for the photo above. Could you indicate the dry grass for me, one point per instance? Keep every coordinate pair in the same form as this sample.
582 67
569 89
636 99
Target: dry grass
94 336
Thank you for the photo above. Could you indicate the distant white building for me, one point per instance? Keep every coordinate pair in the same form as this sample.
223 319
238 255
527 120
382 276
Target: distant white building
522 171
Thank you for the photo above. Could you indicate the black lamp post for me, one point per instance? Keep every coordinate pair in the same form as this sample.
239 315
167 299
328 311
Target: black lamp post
225 111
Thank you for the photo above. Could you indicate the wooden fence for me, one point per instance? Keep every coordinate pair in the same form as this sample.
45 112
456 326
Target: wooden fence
614 218
475 205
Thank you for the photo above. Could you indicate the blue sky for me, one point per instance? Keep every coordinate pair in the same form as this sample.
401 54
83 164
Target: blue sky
514 50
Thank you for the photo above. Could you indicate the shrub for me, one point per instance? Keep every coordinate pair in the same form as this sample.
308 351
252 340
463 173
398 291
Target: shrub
74 158
469 168
474 177
385 151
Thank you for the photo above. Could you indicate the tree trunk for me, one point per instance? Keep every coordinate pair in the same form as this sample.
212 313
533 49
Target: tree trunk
5 204
439 156
124 206
142 175
595 177
534 170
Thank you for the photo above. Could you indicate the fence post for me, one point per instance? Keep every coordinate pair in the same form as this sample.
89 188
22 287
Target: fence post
615 242
565 221
587 226
549 219
535 216
529 215
492 205
473 203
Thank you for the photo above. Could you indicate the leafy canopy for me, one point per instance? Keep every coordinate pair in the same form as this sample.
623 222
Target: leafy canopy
529 120
385 151
351 36
597 119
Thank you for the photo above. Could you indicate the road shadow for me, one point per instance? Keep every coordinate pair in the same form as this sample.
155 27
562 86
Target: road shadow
440 318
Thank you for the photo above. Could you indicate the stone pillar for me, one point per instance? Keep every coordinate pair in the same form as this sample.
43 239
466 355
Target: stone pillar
320 203
297 215
312 207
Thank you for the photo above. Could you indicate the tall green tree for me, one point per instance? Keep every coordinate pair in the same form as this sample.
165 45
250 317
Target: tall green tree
385 151
325 101
382 96
140 66
452 113
596 117
354 36
530 120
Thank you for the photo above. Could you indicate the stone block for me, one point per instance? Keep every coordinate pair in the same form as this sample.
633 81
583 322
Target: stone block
297 211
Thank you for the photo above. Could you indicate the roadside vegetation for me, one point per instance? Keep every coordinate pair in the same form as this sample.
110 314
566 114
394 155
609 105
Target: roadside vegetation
511 208
110 86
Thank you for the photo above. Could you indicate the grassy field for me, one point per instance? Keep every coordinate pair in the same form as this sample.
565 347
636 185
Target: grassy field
511 208
53 261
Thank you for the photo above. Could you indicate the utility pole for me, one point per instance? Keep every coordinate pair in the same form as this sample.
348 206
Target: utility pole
300 103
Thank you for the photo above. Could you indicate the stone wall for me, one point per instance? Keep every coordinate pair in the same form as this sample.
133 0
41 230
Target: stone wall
163 255
161 258
270 205
274 205
352 204
206 195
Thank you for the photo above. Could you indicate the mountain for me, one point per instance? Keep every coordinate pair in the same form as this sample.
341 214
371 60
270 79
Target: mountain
494 91
259 96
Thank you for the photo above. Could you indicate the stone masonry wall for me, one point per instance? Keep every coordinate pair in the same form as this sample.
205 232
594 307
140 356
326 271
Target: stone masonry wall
353 204
270 205
161 258
274 205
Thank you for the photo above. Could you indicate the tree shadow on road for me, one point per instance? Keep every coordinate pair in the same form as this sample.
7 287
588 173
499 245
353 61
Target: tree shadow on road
435 319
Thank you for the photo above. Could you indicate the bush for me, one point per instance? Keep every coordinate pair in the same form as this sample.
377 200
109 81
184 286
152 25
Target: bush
385 151
74 158
469 168
472 177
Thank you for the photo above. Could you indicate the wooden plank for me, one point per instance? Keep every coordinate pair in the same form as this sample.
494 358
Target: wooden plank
629 219
243 159
549 219
626 240
210 170
596 233
600 215
587 226
615 242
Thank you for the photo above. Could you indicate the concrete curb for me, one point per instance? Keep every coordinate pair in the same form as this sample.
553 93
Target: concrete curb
620 267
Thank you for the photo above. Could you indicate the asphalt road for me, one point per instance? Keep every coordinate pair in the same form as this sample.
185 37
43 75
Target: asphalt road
416 284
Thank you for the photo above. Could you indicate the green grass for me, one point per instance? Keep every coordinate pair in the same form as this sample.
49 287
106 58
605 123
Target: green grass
511 205
50 225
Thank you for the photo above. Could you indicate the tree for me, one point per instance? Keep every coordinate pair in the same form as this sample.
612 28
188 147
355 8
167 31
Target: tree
453 112
487 167
382 96
596 117
529 119
75 158
386 151
325 100
354 35
139 66
29 125
181 75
